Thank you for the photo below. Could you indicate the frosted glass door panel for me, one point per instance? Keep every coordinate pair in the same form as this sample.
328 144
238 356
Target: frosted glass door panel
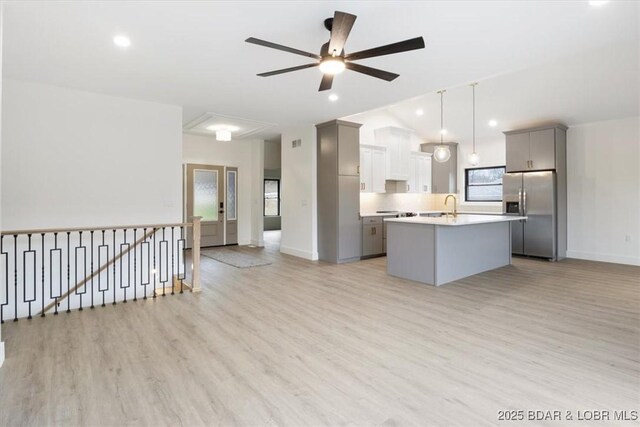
232 186
205 194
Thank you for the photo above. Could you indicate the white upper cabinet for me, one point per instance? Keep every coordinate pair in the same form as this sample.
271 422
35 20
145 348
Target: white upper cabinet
419 173
372 168
398 144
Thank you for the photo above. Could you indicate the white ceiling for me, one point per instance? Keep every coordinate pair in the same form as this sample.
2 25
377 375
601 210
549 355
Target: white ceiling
598 85
193 53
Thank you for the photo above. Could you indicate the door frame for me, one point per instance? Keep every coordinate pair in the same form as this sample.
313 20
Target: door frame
225 170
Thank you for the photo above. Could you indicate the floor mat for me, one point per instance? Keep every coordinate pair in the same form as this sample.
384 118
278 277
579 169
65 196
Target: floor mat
235 257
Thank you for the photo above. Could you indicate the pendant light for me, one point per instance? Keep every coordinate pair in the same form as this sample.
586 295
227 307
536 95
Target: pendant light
474 159
442 153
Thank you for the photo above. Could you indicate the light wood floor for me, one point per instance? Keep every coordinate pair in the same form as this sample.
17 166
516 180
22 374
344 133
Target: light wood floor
307 343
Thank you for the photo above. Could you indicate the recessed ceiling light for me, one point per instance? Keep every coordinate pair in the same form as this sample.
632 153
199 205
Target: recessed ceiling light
333 97
419 112
121 41
597 3
493 123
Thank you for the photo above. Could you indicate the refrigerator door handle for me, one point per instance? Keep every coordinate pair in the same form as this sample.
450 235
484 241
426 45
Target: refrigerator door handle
524 203
520 202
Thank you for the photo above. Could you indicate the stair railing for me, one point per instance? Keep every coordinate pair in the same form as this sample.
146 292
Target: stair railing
74 268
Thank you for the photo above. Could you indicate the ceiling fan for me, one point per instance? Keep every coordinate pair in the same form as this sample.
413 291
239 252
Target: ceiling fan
333 59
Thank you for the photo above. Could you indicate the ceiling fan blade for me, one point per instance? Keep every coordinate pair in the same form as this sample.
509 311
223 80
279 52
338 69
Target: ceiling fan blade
327 81
373 72
340 29
287 70
281 47
403 46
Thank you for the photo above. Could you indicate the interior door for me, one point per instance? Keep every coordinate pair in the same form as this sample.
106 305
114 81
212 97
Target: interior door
205 198
539 207
231 194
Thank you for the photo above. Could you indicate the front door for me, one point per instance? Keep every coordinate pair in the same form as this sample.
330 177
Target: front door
205 198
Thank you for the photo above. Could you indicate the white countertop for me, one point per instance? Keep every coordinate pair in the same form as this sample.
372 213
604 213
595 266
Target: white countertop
464 219
370 214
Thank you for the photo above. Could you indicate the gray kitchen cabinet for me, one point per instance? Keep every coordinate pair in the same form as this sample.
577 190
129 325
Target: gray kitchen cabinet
444 176
517 152
533 149
372 236
348 153
348 232
542 149
384 237
338 158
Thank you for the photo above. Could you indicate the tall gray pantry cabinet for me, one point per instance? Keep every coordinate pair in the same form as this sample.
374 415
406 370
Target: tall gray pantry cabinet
339 226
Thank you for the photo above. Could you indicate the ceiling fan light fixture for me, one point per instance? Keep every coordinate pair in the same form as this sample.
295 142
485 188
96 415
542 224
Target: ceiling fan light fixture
332 65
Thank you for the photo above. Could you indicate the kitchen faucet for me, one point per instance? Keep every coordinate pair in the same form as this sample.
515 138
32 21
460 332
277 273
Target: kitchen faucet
455 201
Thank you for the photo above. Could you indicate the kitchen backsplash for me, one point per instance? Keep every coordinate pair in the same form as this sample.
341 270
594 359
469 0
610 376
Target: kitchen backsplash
408 202
372 202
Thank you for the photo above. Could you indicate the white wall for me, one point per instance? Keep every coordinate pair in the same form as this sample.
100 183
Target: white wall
603 165
2 296
74 159
299 191
241 154
79 159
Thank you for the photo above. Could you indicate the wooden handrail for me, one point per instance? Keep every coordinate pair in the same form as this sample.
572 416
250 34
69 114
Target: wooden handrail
99 271
112 227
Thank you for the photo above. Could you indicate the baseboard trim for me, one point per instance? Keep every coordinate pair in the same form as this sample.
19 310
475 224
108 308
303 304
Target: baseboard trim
312 256
1 353
594 256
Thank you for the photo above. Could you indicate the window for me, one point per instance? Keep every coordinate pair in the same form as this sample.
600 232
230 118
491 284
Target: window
271 197
484 184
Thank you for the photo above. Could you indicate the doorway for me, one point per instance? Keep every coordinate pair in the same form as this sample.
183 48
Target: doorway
211 192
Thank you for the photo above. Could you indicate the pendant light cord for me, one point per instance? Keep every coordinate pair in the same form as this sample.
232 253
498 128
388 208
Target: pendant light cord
441 117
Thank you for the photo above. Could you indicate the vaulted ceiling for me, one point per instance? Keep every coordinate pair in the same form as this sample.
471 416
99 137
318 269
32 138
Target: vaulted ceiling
193 54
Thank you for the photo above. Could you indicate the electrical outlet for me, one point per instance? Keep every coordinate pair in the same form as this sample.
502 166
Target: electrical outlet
627 238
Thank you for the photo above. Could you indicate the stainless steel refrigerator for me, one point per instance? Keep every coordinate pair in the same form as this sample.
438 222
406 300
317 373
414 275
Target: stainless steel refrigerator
532 194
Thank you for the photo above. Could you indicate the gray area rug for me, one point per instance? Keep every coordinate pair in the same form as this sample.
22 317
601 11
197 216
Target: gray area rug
235 258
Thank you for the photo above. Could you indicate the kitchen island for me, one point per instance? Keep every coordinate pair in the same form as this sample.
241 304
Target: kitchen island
439 250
